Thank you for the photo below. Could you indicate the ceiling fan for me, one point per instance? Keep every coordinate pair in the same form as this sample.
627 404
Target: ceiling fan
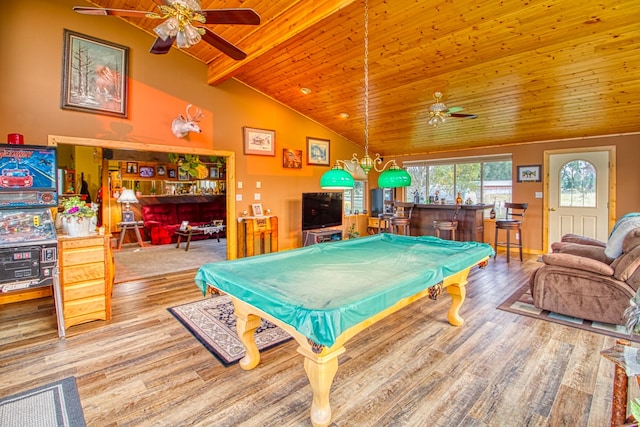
439 112
180 17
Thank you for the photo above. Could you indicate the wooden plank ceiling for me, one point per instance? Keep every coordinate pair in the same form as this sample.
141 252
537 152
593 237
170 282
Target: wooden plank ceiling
531 70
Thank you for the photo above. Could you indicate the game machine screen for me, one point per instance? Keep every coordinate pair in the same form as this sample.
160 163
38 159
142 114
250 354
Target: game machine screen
28 241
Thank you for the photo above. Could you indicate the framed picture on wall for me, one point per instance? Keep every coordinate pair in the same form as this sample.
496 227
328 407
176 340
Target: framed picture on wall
530 173
94 75
259 141
291 159
182 175
132 168
317 151
161 170
147 171
171 173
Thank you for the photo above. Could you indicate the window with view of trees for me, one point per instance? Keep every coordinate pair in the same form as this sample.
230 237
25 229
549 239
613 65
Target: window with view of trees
578 184
478 180
354 198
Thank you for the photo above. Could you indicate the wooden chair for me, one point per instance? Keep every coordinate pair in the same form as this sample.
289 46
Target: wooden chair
446 225
512 222
401 220
384 219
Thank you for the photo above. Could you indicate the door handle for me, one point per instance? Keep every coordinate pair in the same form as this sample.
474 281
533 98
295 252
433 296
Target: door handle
552 209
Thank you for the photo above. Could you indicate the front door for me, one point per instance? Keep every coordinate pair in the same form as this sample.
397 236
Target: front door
578 194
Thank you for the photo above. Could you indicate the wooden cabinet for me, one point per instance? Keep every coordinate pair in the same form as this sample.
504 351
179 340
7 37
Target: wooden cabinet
85 278
257 235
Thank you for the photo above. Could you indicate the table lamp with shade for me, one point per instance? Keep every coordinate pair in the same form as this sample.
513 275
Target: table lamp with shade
127 197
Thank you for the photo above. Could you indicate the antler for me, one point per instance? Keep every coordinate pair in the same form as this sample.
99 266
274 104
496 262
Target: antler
198 114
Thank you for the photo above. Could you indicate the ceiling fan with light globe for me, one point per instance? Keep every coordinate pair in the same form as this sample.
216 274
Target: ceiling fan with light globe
439 112
180 24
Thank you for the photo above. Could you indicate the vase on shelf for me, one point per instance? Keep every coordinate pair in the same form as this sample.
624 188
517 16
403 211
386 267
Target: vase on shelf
76 226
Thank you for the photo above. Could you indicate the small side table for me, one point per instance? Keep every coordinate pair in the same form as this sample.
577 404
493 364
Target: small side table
620 383
133 225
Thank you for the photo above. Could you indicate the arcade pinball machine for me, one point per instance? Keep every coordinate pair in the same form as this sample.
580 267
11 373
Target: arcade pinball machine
28 241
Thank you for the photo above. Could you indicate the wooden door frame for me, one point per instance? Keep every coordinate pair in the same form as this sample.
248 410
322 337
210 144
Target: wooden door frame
611 149
231 231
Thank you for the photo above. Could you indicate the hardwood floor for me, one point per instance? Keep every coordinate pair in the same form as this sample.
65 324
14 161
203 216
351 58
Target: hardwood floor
411 369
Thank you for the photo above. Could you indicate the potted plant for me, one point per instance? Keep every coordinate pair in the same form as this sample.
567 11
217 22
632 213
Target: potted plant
352 233
77 217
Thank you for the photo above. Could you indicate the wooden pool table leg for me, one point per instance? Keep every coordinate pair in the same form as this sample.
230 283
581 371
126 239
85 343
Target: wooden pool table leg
246 325
457 293
320 371
455 286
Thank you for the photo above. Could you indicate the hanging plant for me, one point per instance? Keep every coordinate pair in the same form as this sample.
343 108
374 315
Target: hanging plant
190 164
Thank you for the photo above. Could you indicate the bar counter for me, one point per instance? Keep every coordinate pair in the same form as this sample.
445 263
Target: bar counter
470 220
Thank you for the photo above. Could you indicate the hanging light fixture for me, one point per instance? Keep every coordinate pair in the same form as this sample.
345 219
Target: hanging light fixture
392 178
179 17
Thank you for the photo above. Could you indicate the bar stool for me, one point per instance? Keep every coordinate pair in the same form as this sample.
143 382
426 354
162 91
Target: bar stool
444 225
401 221
447 225
384 219
510 224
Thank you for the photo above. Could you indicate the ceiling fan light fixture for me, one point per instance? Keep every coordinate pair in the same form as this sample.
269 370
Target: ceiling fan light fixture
168 28
437 119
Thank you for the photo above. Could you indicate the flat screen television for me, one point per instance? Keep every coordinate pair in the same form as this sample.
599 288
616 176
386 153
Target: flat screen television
28 176
321 210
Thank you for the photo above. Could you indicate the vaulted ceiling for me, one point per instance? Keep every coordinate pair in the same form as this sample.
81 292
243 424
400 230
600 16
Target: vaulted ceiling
531 70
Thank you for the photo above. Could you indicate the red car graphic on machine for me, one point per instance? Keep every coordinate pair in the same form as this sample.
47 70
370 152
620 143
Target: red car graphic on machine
16 178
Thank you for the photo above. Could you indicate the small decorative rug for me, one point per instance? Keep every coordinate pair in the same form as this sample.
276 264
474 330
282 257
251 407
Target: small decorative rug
213 323
56 405
521 302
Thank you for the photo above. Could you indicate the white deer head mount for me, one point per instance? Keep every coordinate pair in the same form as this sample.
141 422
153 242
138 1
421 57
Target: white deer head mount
181 126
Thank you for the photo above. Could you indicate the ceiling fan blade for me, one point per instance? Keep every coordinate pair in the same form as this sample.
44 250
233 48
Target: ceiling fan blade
160 47
467 116
112 12
242 16
454 109
223 45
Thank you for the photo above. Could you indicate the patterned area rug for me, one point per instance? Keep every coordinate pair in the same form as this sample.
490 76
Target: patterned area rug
213 323
55 404
521 302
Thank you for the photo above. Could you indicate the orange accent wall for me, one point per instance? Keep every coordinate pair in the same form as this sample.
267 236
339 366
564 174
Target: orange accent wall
162 85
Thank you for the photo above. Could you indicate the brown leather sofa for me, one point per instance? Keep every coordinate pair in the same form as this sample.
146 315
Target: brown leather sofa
578 279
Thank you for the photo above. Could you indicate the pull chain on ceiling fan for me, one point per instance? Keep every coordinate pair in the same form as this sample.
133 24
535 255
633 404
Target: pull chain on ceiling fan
180 17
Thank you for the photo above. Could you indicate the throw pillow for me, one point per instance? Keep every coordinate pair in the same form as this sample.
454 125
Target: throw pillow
619 232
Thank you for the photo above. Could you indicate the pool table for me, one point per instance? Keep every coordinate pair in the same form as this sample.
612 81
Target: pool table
325 294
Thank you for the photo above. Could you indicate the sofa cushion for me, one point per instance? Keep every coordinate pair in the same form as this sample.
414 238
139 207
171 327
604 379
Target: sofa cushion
619 232
163 213
589 251
574 238
578 262
190 212
627 264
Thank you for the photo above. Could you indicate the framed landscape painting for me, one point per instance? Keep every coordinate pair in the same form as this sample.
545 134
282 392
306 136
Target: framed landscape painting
317 151
94 75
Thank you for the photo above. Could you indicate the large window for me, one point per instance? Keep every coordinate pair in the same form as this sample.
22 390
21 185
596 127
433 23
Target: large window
478 180
354 198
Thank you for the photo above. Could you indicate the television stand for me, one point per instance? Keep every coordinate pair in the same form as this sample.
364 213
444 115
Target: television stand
321 235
